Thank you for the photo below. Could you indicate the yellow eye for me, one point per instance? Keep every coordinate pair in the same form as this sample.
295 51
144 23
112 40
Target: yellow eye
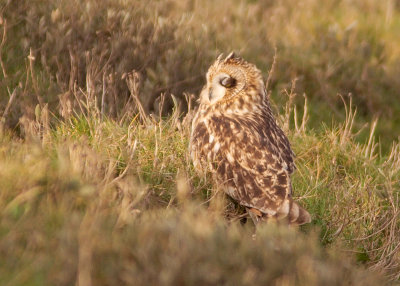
228 82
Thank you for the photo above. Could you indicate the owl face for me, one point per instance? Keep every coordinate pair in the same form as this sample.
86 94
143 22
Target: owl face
217 87
228 80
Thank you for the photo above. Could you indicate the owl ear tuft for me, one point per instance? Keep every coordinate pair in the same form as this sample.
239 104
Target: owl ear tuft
228 82
220 57
230 56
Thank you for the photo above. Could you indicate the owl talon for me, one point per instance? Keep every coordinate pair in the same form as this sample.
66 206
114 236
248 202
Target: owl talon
255 215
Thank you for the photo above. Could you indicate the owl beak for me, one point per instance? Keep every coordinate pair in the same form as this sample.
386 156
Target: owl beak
210 94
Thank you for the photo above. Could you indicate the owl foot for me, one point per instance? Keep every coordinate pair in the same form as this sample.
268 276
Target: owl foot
255 215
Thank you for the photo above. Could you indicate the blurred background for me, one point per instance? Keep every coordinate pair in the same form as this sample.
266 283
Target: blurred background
322 49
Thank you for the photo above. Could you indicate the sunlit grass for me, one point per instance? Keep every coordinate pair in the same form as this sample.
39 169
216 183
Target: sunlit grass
120 182
96 183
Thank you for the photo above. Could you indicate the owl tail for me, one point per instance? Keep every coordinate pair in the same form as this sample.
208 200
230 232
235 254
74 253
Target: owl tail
295 214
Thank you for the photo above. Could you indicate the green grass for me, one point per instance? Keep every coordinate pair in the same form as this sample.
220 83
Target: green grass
96 183
120 203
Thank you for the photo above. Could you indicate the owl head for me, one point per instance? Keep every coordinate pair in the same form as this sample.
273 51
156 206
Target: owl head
232 79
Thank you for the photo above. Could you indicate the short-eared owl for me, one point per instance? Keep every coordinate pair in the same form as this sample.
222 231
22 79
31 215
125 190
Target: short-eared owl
235 136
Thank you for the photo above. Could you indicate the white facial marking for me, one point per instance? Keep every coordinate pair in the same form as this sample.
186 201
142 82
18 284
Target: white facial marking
216 91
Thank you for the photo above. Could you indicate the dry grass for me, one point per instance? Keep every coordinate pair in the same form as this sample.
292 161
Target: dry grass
102 203
96 183
118 202
350 46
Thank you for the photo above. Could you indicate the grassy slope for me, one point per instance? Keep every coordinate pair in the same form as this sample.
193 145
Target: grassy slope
105 201
95 191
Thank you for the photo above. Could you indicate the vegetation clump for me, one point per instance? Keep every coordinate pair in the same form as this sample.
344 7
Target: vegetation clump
96 183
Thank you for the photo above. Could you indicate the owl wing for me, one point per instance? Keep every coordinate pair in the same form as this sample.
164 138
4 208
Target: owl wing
253 160
252 163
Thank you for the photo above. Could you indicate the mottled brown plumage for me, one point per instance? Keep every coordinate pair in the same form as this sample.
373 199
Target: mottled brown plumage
235 136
